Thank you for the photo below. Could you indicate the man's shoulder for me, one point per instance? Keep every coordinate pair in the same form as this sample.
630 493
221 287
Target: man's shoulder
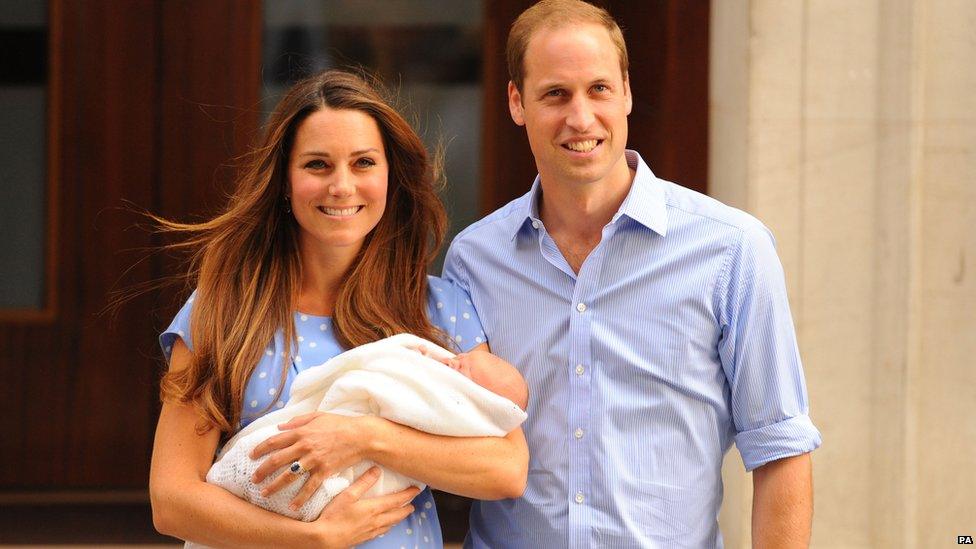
493 226
708 210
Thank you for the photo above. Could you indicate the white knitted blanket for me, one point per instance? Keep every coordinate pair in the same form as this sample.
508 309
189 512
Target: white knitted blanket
386 378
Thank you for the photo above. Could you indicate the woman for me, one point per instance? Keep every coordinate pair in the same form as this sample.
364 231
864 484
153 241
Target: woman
323 247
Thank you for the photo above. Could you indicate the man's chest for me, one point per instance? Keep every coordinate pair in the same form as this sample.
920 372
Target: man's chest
621 310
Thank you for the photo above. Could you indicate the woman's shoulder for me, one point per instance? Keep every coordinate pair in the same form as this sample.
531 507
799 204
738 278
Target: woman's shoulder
438 285
179 327
451 310
445 295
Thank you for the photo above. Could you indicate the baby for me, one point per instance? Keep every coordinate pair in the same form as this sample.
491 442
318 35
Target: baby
488 371
401 378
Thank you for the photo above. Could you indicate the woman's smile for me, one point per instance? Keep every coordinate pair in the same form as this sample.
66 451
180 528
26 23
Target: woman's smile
340 212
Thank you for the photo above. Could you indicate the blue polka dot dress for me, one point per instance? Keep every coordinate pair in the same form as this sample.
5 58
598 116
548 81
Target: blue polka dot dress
449 308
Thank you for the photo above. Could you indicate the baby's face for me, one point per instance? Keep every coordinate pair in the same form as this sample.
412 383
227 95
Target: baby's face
460 363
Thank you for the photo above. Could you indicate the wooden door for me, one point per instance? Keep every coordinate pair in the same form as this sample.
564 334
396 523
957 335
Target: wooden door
145 101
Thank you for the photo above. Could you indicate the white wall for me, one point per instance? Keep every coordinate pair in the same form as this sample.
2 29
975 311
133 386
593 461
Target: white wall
849 128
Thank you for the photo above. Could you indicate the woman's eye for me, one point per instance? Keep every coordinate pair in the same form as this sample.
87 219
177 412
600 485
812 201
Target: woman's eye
315 164
365 163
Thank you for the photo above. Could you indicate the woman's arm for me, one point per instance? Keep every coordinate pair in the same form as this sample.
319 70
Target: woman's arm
186 506
476 467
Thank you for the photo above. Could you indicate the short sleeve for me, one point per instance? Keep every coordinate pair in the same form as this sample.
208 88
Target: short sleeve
451 310
759 354
178 328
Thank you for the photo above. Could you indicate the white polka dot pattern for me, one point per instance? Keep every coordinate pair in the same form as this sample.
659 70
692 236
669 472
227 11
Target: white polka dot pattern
450 311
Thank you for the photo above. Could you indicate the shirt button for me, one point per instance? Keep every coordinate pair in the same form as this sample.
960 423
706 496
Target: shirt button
581 307
535 224
580 369
579 433
579 497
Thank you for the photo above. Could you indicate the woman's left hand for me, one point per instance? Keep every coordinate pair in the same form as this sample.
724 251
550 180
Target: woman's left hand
324 444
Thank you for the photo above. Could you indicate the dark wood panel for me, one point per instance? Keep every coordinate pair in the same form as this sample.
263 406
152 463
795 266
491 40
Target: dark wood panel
115 124
667 43
80 524
209 114
507 165
79 391
136 134
210 83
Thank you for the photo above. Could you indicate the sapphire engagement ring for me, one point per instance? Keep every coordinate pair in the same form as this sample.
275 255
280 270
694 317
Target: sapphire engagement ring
296 468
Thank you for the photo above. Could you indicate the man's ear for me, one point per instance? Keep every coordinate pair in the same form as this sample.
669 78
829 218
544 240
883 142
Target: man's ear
629 96
515 104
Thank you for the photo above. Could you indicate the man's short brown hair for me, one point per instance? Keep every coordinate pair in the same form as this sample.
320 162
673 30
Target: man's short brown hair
551 14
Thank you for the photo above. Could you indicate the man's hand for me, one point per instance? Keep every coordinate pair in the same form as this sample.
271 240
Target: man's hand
782 503
324 444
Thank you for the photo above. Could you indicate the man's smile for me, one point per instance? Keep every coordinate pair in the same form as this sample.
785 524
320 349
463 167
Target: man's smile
582 146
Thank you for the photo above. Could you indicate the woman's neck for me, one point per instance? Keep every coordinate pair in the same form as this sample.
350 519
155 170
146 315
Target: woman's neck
323 272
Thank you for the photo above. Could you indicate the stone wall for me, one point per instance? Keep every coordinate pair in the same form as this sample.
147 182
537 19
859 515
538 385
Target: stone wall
849 128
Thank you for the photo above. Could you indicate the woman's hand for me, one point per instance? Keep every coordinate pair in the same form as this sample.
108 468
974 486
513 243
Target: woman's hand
324 444
349 520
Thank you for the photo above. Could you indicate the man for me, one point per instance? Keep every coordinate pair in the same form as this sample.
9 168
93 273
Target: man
650 322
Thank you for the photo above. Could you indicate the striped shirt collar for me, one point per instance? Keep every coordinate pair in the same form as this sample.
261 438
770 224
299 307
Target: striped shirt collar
645 202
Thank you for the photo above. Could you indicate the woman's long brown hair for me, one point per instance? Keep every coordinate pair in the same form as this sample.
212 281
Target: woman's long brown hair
246 265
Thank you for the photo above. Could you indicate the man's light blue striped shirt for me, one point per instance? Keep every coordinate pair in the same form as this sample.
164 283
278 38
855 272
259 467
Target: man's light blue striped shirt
674 341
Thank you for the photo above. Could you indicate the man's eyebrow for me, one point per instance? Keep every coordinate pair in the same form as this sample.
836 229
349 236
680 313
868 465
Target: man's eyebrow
550 85
554 84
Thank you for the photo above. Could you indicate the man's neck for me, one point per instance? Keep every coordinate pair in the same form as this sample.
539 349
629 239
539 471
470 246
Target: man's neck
575 213
581 210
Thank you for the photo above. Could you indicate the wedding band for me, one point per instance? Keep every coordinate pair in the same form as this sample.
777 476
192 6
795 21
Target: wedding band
296 468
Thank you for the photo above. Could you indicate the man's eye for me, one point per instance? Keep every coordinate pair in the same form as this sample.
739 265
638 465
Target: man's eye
315 164
600 88
365 163
555 93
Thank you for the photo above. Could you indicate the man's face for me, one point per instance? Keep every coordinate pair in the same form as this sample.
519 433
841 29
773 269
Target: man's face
574 104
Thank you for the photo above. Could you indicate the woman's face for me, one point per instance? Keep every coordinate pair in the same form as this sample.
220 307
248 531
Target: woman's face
337 174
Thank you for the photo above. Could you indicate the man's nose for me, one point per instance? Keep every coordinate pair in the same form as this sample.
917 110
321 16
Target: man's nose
341 184
580 116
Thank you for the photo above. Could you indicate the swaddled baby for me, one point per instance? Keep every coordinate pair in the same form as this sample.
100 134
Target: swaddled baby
403 378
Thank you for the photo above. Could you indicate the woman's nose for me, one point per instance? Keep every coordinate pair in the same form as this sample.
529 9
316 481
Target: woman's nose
341 185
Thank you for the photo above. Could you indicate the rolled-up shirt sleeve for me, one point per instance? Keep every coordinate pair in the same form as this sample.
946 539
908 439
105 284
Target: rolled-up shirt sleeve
758 349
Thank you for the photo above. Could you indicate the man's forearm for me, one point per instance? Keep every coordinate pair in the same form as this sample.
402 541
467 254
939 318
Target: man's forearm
782 503
476 467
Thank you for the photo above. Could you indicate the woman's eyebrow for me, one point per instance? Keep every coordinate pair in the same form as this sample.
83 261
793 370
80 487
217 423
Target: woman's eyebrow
327 155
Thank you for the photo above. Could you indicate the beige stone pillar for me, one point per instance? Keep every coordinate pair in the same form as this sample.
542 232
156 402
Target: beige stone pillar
849 128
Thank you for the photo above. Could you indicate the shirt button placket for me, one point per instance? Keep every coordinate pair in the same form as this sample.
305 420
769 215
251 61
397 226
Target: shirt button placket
581 316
